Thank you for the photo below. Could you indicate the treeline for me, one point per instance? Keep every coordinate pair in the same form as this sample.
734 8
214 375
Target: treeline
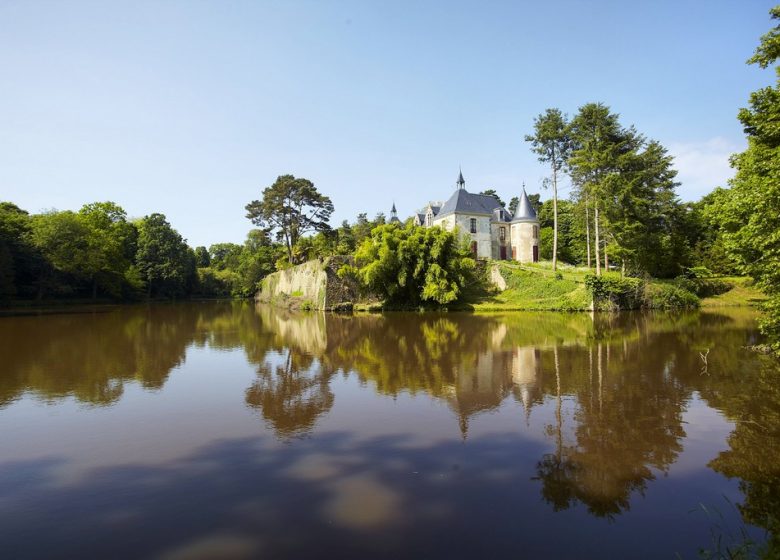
623 211
98 252
694 238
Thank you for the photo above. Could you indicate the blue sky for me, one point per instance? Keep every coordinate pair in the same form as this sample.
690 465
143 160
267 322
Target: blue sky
192 108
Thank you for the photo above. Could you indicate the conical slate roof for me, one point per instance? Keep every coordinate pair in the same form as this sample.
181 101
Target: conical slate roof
525 211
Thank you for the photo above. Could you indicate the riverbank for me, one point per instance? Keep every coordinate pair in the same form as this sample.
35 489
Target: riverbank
535 287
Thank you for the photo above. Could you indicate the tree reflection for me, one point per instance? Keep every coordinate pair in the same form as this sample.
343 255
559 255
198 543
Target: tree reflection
293 394
628 421
752 400
90 356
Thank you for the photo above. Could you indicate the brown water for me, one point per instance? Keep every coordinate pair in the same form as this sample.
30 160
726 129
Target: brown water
230 431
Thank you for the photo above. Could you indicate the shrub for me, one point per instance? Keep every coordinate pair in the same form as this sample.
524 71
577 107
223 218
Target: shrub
414 265
611 292
703 287
669 296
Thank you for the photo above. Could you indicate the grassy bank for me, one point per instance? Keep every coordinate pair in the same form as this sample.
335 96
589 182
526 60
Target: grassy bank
743 293
535 287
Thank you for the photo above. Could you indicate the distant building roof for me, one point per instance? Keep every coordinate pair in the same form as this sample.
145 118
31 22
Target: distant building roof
464 202
525 210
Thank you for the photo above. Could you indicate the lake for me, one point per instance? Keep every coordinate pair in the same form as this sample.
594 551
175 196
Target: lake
229 430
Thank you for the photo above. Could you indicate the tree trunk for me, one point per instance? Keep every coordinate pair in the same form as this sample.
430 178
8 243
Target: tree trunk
288 246
587 229
597 240
606 258
555 218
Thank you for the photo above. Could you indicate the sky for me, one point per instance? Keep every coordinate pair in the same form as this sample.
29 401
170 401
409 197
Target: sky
192 108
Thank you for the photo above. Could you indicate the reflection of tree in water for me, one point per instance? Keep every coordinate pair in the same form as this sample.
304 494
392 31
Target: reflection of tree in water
752 399
293 394
628 421
91 356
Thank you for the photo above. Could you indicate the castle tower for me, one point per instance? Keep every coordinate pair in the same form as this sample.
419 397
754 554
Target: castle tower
524 232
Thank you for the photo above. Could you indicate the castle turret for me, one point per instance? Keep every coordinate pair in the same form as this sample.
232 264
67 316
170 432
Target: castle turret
525 231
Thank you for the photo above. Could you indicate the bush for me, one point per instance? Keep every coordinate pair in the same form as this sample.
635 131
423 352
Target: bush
611 292
701 286
414 266
669 296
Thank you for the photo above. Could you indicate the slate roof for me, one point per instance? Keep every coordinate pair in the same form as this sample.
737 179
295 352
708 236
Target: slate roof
464 202
525 211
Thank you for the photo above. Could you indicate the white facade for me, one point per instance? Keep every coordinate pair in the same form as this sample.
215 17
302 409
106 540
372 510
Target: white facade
490 230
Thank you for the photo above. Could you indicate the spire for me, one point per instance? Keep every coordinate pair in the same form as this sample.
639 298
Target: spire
461 181
525 210
394 215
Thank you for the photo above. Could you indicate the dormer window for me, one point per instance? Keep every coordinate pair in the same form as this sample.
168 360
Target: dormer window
429 219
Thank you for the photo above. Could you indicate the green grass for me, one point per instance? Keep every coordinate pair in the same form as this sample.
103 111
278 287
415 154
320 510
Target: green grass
535 287
744 293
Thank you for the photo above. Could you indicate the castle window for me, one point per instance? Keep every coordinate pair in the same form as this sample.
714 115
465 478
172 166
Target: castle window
429 219
536 231
502 233
473 225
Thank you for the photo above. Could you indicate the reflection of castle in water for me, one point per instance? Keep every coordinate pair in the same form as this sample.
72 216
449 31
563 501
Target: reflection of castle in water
497 374
464 359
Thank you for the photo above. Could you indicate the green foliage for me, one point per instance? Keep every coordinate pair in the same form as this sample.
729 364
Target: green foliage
626 184
551 142
669 296
750 212
19 260
163 259
291 207
609 291
202 257
414 265
703 286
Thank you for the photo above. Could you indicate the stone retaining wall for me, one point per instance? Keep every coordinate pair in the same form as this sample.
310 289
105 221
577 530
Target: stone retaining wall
315 283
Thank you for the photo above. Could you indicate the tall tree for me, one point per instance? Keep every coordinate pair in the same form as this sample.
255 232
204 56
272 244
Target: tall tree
110 241
17 256
164 261
598 144
514 202
751 211
550 142
291 207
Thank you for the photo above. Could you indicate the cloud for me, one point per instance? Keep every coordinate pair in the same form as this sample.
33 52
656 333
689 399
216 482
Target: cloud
702 166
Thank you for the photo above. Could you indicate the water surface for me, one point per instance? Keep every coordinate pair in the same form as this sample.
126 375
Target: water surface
233 431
